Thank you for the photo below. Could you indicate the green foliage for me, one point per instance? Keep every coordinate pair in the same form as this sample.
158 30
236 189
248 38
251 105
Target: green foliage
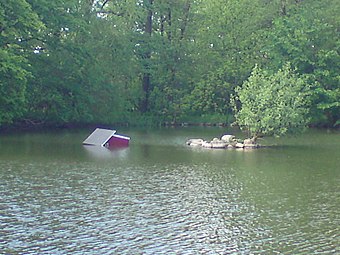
206 119
210 95
309 38
19 26
86 61
18 23
272 104
80 75
12 86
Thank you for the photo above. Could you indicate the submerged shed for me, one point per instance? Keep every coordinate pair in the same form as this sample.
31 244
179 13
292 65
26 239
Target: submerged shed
106 138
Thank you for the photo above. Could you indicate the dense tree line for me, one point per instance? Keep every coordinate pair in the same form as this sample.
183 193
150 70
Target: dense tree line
137 61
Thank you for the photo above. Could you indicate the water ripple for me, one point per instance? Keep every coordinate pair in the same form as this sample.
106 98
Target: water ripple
172 209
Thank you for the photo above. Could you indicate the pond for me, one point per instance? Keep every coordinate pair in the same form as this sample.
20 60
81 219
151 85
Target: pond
159 196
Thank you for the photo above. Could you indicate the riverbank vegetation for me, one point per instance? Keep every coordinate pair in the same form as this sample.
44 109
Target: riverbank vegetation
151 62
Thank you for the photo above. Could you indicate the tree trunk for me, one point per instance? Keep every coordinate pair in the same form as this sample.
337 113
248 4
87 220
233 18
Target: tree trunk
146 83
169 22
283 8
186 19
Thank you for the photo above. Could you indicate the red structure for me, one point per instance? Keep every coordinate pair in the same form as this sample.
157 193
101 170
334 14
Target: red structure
117 141
107 138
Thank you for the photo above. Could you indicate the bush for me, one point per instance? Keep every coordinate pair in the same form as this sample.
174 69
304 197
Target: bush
272 104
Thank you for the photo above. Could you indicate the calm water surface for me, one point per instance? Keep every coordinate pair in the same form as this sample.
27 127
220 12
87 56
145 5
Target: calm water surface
160 197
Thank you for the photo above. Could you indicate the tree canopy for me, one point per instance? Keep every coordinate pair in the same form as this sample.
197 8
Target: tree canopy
272 104
81 61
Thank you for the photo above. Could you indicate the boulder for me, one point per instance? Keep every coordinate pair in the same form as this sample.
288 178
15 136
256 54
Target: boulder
252 146
228 138
239 145
218 145
206 144
248 141
216 140
226 141
195 142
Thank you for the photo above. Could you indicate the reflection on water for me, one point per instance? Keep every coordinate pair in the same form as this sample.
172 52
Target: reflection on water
161 197
99 152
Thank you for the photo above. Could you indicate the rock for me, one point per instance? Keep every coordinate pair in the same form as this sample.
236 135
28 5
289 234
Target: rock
195 142
226 141
218 145
248 141
252 146
206 144
239 145
228 138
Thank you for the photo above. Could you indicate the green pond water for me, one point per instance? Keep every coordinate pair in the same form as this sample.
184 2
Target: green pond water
159 196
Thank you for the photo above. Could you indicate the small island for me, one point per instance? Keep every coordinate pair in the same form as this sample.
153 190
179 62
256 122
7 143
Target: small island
225 142
266 105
